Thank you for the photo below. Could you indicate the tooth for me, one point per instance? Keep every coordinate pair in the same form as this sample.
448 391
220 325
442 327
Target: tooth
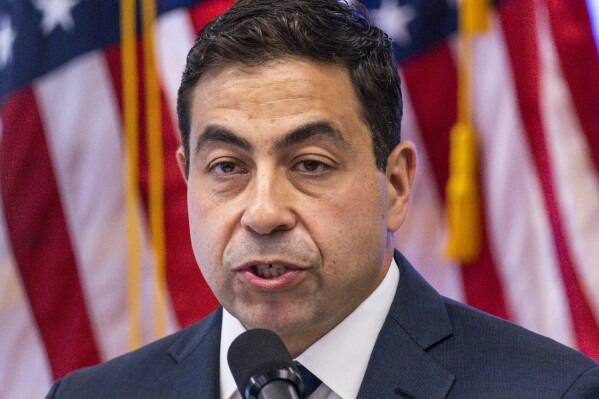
269 270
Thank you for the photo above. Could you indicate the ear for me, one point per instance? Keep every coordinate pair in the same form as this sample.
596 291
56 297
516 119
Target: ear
401 167
181 161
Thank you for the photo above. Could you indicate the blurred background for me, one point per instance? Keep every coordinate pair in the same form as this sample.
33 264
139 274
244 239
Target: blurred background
95 258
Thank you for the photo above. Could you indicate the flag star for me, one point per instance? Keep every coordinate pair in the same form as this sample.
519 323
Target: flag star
7 38
394 19
54 13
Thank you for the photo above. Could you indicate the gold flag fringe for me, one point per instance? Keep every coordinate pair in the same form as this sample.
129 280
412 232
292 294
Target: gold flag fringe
155 167
462 191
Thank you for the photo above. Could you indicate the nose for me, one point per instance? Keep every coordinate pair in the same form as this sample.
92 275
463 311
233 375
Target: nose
268 207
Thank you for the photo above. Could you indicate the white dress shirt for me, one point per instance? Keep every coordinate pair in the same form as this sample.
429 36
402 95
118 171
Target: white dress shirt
339 359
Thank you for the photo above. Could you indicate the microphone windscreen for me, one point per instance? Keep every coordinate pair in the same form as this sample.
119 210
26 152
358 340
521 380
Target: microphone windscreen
256 352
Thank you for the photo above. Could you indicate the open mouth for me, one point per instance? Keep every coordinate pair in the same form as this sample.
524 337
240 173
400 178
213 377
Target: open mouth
271 270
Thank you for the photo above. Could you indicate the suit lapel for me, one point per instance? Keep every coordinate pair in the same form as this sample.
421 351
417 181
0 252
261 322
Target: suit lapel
399 365
196 357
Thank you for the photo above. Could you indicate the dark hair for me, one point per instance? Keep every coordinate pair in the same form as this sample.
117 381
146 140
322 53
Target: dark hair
253 32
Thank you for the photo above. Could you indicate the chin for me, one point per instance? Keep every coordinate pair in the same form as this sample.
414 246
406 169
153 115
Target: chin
276 324
280 322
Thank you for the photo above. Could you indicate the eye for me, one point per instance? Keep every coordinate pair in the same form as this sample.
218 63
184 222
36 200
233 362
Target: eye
312 166
226 168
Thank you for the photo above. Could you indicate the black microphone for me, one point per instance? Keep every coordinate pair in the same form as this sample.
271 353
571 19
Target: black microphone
262 367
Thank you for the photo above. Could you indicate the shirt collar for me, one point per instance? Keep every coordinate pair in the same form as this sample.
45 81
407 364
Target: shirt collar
231 329
349 343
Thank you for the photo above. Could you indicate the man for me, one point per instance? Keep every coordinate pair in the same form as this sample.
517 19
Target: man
289 112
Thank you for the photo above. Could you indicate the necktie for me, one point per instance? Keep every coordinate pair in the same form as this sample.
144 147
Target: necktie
311 382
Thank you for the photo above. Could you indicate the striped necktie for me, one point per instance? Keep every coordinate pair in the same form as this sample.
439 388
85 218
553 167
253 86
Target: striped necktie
311 382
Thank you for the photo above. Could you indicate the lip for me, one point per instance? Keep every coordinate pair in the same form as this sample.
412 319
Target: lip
285 281
248 265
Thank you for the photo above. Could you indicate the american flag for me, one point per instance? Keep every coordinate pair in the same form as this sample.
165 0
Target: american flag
63 239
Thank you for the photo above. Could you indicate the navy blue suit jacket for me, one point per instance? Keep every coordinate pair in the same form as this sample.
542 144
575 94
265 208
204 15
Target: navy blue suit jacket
430 347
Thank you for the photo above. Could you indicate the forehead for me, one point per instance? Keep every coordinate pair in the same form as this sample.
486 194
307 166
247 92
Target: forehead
275 97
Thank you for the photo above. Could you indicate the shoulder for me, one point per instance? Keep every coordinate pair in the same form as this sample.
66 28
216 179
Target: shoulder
479 330
489 357
485 347
133 372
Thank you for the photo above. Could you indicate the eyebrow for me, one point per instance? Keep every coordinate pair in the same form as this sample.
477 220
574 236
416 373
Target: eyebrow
219 134
320 131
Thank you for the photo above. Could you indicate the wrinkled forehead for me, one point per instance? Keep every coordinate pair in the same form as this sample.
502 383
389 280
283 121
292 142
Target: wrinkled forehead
277 91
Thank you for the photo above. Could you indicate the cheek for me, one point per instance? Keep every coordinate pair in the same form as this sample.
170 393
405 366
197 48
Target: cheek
206 227
354 222
362 204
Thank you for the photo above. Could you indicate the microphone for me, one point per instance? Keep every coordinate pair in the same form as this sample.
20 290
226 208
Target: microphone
262 367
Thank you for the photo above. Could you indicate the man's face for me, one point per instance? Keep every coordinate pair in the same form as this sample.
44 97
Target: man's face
289 216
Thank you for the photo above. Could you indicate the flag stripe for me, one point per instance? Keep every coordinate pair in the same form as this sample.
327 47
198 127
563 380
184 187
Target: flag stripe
91 186
482 286
207 10
22 349
521 35
576 178
40 240
433 91
174 37
579 58
183 279
190 294
572 33
517 220
113 61
422 236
